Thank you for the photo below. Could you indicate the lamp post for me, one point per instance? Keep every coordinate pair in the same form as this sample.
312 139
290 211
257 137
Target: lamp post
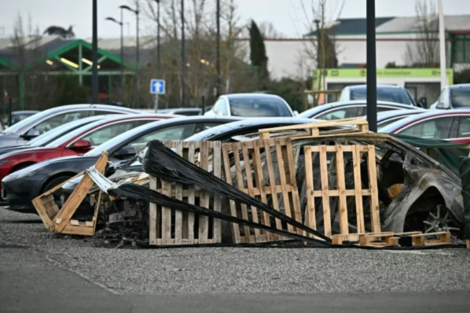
159 64
371 67
183 58
136 12
218 47
442 45
121 23
94 54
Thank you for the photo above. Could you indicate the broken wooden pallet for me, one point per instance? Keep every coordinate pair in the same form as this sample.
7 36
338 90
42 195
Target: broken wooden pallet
245 169
174 227
388 239
356 125
336 165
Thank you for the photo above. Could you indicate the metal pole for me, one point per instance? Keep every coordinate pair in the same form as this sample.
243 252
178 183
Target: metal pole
183 59
159 68
442 45
122 57
10 117
94 56
218 47
371 67
137 47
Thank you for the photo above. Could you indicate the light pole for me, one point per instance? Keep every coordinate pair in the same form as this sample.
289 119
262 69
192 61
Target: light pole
442 45
136 12
183 57
218 47
94 54
371 67
159 64
121 23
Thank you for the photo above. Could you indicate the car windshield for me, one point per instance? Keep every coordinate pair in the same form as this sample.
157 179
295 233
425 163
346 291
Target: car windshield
258 107
397 95
460 97
33 119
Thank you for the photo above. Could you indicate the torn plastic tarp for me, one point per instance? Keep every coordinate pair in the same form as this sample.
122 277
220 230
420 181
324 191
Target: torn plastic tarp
136 192
162 162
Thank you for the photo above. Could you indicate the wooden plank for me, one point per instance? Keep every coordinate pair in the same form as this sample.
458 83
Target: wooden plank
374 197
240 184
166 215
468 243
216 170
179 196
341 186
191 196
226 149
316 125
272 179
282 177
205 197
358 191
310 219
324 186
153 214
77 196
349 193
249 183
78 230
293 182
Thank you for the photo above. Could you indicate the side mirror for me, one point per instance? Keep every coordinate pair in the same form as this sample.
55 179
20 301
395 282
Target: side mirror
81 144
33 132
424 102
125 153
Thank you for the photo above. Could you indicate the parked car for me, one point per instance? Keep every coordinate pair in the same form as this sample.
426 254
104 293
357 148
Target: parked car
20 187
436 124
47 120
52 135
182 111
250 105
17 116
388 117
386 93
77 142
453 97
349 109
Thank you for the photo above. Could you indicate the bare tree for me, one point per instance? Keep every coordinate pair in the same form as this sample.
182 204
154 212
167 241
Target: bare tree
269 31
424 51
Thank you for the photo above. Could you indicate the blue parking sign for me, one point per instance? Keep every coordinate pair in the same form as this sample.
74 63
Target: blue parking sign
157 86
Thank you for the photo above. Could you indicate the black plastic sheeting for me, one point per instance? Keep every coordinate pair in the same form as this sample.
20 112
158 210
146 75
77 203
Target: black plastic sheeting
162 162
137 192
465 177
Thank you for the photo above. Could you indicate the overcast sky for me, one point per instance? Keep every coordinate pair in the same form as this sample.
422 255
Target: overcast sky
286 15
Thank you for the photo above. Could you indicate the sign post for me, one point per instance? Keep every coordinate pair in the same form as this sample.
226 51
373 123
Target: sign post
157 88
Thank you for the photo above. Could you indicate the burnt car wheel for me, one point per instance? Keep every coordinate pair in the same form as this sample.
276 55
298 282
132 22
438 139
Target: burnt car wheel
54 182
438 219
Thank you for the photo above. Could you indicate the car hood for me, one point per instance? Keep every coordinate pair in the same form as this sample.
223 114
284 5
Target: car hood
30 151
8 149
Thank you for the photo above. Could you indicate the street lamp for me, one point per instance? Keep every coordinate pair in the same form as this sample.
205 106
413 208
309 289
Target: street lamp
121 23
136 12
94 54
159 69
218 46
183 58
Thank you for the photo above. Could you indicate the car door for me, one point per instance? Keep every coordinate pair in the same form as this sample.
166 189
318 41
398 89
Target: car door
433 128
59 119
463 133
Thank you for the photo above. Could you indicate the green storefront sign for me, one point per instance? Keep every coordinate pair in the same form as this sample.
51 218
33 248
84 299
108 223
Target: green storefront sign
388 73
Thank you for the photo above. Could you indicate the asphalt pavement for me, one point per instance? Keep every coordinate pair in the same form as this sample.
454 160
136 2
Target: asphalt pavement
42 272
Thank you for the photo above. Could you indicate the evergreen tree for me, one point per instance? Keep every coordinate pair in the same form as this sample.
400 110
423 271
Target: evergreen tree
258 54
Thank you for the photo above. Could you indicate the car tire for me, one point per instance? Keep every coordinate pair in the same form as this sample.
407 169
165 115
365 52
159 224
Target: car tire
54 182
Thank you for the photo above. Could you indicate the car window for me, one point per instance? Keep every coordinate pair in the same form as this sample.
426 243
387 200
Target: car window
464 129
389 121
460 97
384 109
104 134
397 95
437 128
59 120
339 114
99 112
223 109
258 107
179 132
217 106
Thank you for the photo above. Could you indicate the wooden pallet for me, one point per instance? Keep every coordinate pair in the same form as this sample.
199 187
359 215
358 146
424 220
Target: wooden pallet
326 192
174 227
388 239
356 125
250 177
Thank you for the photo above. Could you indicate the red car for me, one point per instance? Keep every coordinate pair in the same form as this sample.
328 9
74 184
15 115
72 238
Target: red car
451 125
79 141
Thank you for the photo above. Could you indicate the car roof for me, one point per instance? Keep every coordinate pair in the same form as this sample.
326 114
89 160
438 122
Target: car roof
458 86
248 123
179 109
69 107
324 107
378 86
430 113
395 113
24 112
250 95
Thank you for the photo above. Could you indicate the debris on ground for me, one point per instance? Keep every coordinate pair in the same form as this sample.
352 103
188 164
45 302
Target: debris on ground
317 187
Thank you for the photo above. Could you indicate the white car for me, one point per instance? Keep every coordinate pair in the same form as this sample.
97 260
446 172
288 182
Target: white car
251 105
386 93
454 97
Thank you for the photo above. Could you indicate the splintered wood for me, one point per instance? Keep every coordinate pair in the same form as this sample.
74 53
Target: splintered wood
272 182
329 162
175 227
